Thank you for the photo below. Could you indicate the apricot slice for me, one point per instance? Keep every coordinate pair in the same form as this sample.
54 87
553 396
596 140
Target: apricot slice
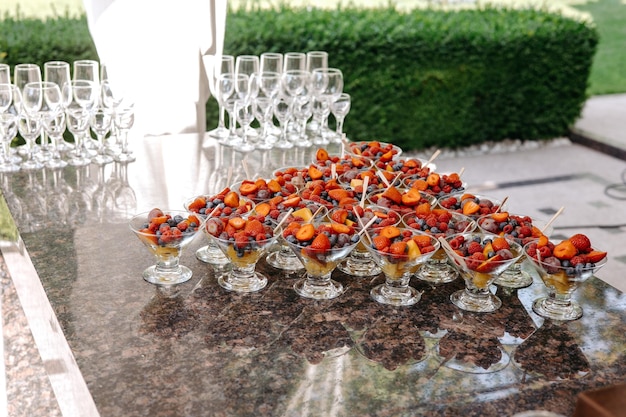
274 186
197 204
565 250
321 155
231 199
248 188
390 232
420 185
263 209
306 232
500 217
292 201
433 179
411 198
314 173
237 222
471 207
341 228
595 256
338 194
393 194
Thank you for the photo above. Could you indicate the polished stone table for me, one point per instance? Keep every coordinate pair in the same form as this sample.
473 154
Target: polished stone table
107 343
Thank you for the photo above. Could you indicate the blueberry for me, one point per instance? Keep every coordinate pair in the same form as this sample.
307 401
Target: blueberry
355 238
178 218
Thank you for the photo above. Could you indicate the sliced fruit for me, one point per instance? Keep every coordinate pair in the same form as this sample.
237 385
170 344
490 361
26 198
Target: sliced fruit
314 173
247 188
356 182
305 233
254 227
581 242
542 241
398 249
433 179
320 243
338 194
422 240
393 194
292 201
420 185
263 209
381 242
411 197
339 215
488 248
565 250
342 228
489 264
413 249
595 256
322 155
471 207
390 232
274 186
231 199
303 213
237 222
195 206
500 243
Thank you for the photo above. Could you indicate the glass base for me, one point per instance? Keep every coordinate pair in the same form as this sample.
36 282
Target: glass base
160 277
287 263
232 282
550 309
514 277
211 255
469 367
479 303
318 290
437 272
395 296
102 159
359 268
124 157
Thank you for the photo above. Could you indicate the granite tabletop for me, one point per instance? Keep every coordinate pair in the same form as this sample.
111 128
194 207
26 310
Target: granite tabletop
197 349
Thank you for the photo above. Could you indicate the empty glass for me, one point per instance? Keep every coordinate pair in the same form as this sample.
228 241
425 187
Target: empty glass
225 65
294 61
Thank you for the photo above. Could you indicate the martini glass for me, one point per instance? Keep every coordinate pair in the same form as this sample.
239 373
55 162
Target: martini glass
215 207
561 282
249 241
479 274
437 269
521 229
176 229
320 252
407 250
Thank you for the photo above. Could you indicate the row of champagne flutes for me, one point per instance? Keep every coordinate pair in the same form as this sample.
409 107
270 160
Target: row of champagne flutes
42 105
297 90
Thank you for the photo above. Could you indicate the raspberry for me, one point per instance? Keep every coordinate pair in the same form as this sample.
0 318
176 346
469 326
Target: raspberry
474 247
577 260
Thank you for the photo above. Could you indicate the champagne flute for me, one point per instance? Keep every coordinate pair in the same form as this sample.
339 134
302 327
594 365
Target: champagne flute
294 61
316 59
226 65
271 62
124 119
270 85
334 88
23 74
249 65
225 88
5 74
58 72
340 109
84 98
88 70
282 112
6 96
245 115
100 122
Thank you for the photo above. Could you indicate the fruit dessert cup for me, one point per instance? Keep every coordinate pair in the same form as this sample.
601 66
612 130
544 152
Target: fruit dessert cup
260 189
563 267
343 163
226 203
165 233
320 249
399 252
471 205
328 193
437 184
297 210
357 180
479 258
521 229
375 150
401 200
244 241
438 222
360 262
406 168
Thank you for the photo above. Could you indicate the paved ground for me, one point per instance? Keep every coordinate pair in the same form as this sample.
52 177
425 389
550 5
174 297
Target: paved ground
586 175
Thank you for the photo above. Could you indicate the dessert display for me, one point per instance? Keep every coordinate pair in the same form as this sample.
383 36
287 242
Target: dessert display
398 252
244 240
563 267
471 205
479 258
439 223
521 229
226 203
437 184
165 233
360 263
320 249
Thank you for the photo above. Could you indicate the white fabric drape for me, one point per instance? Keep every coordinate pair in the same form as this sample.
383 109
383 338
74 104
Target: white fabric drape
153 50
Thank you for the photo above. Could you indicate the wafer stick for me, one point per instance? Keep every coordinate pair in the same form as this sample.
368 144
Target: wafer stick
501 204
280 223
366 183
433 157
459 261
383 178
557 214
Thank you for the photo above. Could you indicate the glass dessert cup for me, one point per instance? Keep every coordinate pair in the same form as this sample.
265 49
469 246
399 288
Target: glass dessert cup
399 267
202 206
243 256
479 274
469 204
319 264
360 263
437 269
378 151
306 212
521 229
168 246
560 282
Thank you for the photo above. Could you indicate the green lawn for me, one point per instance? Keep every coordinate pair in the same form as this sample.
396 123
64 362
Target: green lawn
608 72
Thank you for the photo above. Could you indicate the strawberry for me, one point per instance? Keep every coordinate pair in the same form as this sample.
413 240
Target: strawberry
500 243
321 243
381 242
254 228
581 242
398 249
595 256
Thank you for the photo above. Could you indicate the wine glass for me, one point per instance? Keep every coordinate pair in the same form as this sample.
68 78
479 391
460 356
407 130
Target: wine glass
497 254
86 69
294 61
123 120
399 252
225 65
54 125
302 110
58 72
100 121
244 242
6 96
225 88
5 74
340 108
316 59
166 233
320 249
271 62
23 74
8 132
561 279
84 99
334 87
262 107
245 114
282 112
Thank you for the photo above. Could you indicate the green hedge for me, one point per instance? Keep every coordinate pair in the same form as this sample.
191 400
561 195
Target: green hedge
419 79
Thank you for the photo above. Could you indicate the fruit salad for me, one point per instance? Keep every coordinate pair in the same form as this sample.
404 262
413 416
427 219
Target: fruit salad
241 238
223 204
401 200
164 233
512 226
375 150
471 205
437 184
